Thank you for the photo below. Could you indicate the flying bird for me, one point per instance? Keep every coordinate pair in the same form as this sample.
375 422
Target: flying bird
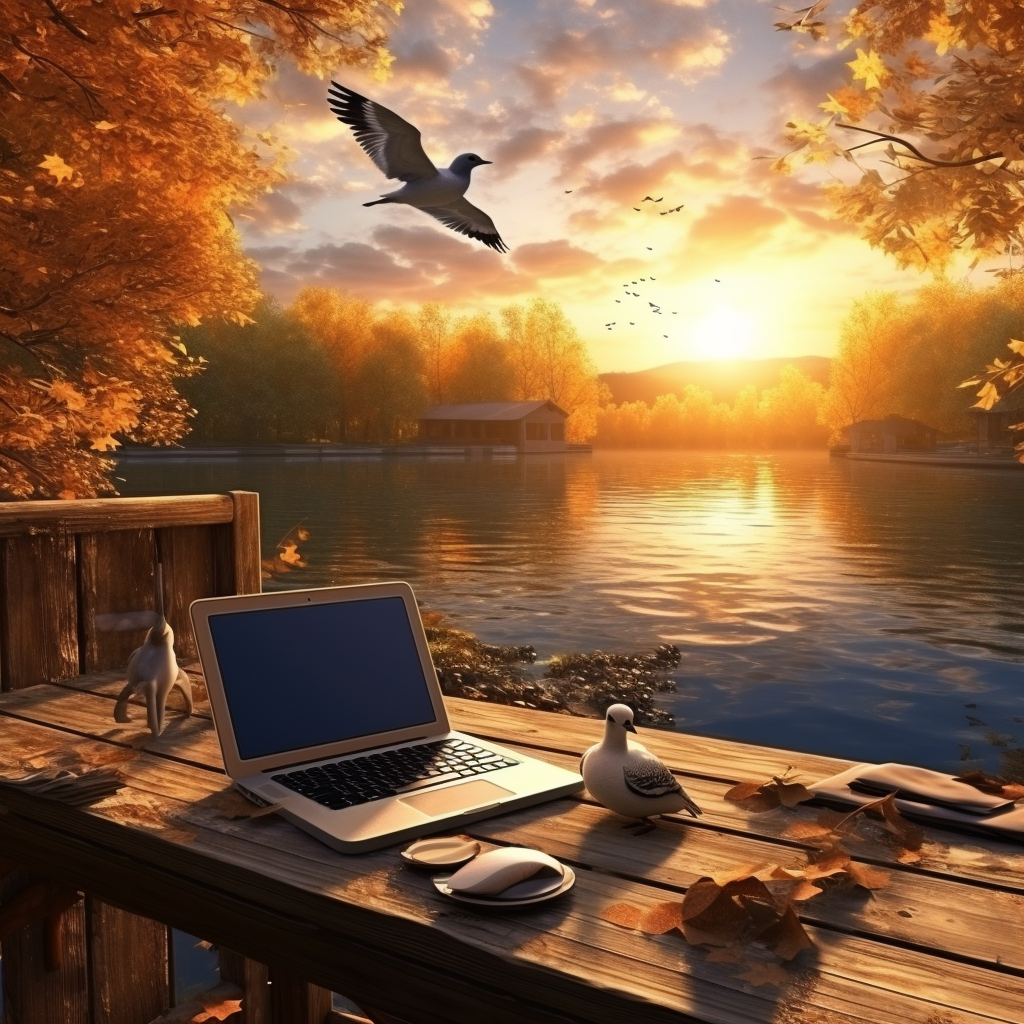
568 191
394 146
649 199
627 778
637 208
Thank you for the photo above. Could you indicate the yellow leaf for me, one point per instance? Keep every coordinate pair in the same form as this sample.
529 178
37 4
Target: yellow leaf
942 33
104 126
56 166
869 68
104 444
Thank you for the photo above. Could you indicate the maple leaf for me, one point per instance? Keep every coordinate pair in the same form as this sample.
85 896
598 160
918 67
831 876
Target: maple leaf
56 166
869 68
868 877
661 918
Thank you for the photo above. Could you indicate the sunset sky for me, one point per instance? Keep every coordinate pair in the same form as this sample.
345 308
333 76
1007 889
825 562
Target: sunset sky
613 101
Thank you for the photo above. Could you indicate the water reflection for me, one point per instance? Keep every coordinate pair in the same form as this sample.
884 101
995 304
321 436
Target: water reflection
847 608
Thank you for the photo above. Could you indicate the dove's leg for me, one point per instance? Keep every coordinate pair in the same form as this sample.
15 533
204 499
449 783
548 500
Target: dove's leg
121 707
643 826
154 707
185 685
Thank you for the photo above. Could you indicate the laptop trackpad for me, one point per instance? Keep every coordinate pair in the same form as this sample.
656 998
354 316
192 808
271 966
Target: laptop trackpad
478 793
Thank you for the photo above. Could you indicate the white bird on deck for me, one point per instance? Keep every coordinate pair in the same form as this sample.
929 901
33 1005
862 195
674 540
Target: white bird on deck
394 146
627 778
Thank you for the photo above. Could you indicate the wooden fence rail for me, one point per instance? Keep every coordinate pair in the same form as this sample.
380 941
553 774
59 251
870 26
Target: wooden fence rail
62 563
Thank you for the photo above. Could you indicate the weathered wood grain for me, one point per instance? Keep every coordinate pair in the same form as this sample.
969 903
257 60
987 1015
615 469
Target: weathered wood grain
252 978
128 965
294 1000
33 994
38 610
92 515
297 849
116 573
991 861
246 542
187 553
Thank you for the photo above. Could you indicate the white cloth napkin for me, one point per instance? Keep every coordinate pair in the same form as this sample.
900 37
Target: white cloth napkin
957 805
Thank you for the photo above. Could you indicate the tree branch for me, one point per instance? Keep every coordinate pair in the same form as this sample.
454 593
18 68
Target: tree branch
90 94
60 16
915 152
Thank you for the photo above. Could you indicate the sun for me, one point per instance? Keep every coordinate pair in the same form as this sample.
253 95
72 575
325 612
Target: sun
725 333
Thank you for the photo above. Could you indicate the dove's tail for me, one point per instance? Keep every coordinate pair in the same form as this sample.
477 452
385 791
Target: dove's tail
377 202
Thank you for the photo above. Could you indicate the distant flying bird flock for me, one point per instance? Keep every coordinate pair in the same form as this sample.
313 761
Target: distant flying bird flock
394 146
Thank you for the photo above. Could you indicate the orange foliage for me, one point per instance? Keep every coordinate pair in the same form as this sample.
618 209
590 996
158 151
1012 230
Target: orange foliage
117 169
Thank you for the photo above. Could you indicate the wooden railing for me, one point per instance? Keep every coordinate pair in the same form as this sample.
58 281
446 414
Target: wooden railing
62 563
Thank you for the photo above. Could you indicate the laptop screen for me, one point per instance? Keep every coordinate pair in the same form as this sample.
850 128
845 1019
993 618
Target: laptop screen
318 673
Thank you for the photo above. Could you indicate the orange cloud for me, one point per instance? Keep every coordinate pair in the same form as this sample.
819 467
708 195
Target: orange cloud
558 258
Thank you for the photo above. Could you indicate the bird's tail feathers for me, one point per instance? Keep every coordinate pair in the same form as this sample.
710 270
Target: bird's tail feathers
377 202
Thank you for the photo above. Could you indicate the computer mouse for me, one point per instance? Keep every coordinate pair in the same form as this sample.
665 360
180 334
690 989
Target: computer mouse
494 871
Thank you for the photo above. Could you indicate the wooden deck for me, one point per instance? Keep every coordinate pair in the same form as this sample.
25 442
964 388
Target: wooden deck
943 943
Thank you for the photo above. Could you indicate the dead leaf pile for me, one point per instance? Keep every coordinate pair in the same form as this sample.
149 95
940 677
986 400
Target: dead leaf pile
995 785
779 791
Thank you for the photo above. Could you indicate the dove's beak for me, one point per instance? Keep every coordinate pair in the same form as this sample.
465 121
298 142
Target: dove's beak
487 161
628 725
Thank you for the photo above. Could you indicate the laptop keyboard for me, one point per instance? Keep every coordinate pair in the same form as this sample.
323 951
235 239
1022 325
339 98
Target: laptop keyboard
391 772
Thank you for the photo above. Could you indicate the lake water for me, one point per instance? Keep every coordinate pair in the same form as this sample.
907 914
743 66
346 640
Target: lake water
856 609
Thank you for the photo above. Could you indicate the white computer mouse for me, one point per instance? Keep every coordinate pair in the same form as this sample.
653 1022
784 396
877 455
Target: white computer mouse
494 871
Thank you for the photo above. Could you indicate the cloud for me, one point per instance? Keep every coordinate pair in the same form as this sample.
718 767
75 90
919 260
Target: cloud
558 258
424 57
525 145
799 90
733 227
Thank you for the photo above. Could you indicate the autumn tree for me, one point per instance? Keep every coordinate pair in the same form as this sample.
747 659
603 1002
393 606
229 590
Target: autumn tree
480 370
389 393
935 92
117 172
550 361
265 381
343 325
434 322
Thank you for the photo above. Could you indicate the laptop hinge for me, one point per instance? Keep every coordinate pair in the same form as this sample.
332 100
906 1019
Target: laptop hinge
348 753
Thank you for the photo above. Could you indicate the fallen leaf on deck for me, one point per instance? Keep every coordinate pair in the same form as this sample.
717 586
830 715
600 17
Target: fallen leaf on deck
232 805
218 1011
787 936
909 856
661 918
910 836
868 877
723 878
994 785
829 862
625 915
743 791
791 793
765 974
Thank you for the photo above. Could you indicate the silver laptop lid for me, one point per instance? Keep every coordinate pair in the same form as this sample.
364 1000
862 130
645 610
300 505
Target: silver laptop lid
308 674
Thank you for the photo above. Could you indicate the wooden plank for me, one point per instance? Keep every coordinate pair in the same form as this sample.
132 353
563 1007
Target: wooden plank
246 542
92 515
586 967
187 554
253 979
38 610
128 965
116 574
33 994
299 848
294 1001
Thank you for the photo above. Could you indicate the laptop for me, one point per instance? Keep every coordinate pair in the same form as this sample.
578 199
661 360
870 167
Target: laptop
327 703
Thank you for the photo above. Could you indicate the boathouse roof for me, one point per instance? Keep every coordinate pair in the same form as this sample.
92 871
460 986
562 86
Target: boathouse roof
892 422
496 411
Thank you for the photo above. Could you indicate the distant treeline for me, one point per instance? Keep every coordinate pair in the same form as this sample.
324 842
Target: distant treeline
333 367
785 416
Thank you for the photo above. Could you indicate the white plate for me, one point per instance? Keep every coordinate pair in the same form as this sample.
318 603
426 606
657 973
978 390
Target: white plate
515 896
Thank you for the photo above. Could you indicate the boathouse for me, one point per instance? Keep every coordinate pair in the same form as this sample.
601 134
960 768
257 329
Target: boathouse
529 426
993 425
891 435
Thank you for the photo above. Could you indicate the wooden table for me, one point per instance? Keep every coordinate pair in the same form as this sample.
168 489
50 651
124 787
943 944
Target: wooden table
942 944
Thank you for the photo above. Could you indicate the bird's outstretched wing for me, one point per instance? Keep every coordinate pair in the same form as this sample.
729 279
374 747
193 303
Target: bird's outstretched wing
464 217
650 778
388 140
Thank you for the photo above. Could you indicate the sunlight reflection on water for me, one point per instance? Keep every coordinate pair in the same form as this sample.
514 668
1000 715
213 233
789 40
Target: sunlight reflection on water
802 591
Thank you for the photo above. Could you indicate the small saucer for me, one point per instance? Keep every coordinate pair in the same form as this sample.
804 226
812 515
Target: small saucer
542 889
440 852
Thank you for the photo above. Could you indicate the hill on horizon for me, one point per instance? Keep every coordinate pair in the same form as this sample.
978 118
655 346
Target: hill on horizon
724 378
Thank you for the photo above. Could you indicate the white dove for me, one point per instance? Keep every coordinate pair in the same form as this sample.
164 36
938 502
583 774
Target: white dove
153 671
627 778
394 146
